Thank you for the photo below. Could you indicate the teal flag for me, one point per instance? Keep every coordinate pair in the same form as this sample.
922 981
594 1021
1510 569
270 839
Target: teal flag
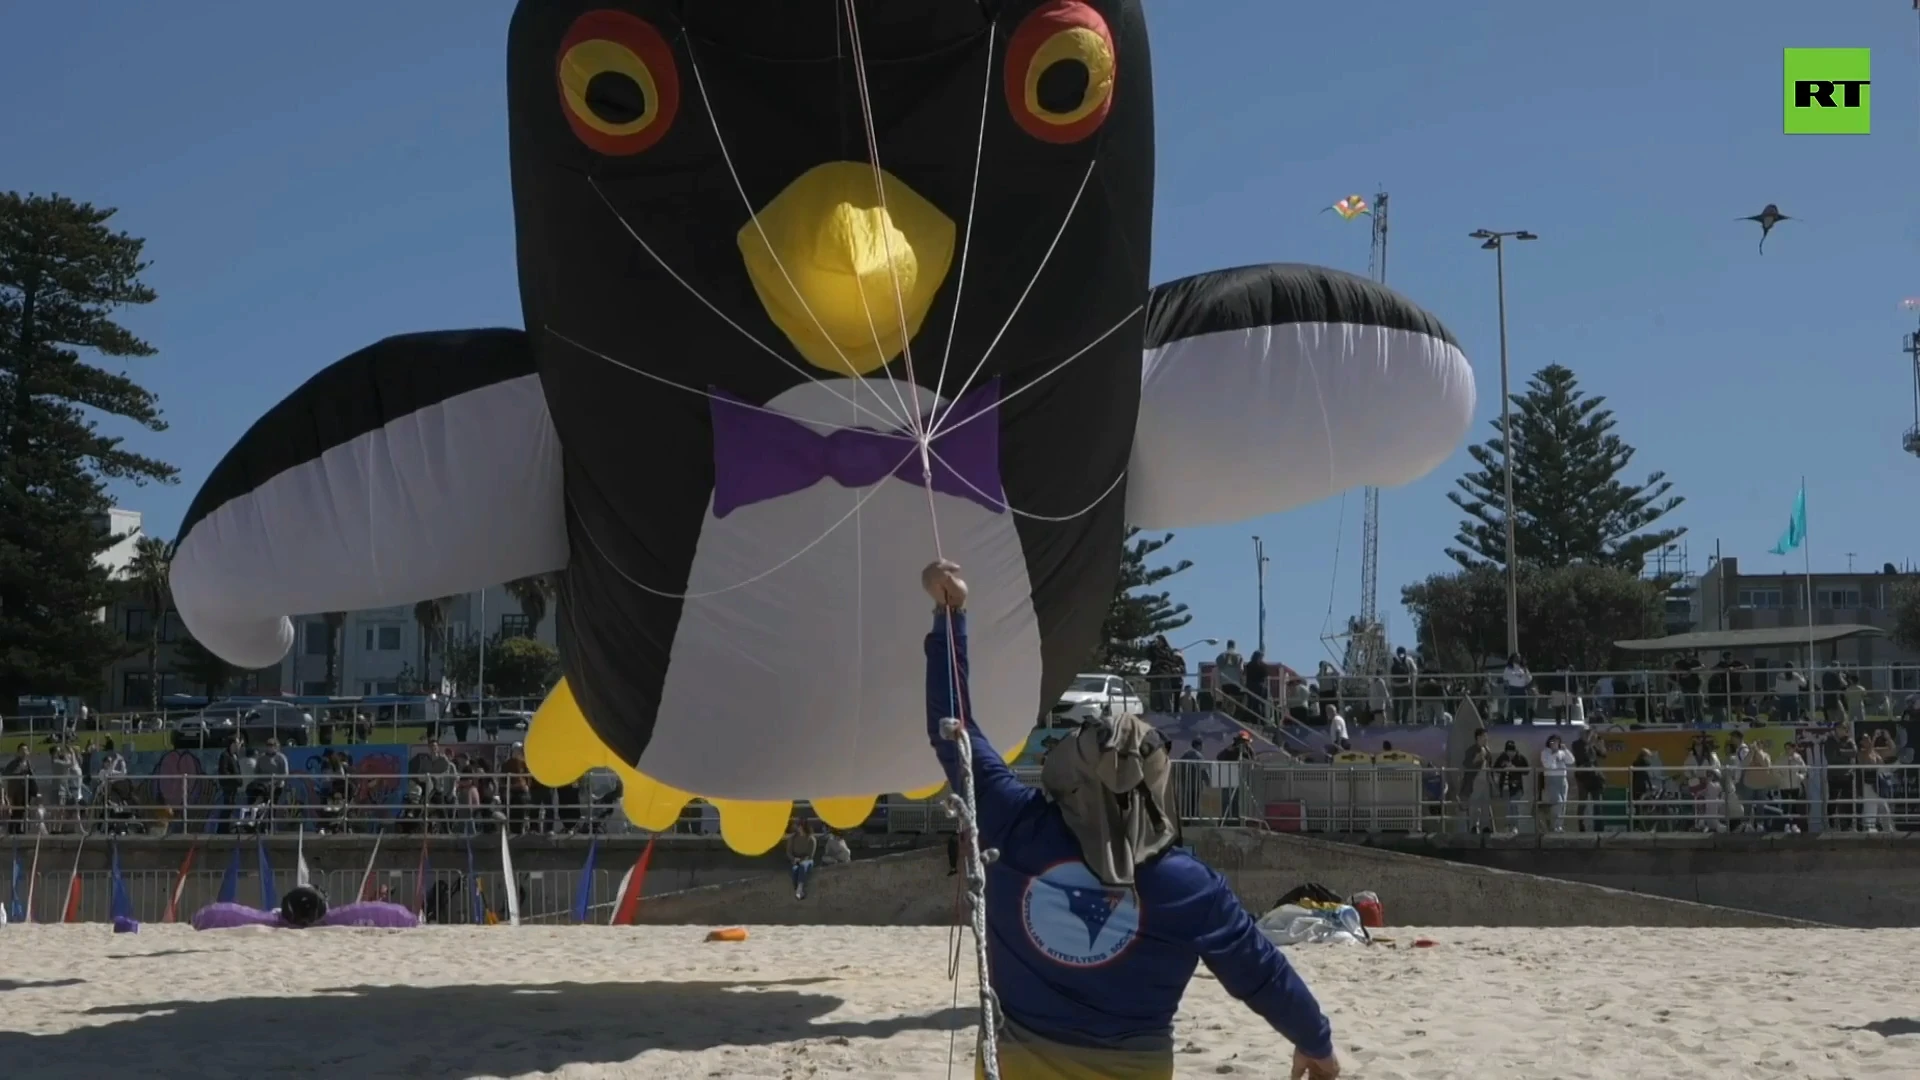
1796 533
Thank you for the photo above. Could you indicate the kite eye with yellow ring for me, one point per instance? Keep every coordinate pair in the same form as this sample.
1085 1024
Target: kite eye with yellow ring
618 82
1060 70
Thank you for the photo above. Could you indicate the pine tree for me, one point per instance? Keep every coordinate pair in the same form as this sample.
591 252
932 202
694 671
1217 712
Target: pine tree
1571 507
1135 618
63 274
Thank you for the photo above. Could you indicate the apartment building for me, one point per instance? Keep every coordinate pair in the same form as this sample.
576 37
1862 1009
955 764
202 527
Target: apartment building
381 648
1732 600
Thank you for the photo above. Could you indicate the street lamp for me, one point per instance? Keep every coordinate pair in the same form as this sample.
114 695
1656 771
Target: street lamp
1200 641
1495 242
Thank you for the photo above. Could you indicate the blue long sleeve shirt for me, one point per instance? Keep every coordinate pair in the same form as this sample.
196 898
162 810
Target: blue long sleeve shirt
1078 962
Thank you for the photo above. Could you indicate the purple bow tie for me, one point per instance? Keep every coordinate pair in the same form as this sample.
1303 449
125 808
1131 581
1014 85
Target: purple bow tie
760 455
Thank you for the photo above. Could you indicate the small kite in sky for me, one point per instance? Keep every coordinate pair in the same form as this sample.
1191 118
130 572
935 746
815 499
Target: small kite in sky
1350 207
1767 218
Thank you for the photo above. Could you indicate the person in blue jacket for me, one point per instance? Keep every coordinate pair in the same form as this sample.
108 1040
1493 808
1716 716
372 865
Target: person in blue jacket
1096 918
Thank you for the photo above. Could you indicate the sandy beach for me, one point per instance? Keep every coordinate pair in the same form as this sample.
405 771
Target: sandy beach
78 1001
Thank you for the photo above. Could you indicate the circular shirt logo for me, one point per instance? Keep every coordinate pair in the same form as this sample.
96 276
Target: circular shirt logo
1073 918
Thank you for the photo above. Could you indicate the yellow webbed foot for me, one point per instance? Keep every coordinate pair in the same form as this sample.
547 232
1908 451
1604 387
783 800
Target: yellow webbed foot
561 747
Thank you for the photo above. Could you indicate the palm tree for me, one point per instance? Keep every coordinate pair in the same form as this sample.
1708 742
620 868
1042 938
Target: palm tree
147 579
532 594
336 626
431 616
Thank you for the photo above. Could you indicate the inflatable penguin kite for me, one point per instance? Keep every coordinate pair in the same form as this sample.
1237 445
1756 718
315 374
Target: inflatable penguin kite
764 247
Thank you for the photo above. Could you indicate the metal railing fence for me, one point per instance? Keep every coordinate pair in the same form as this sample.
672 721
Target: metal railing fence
1364 794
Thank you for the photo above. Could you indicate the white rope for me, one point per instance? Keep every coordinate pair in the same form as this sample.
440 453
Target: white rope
724 317
1024 293
914 448
973 198
905 417
938 432
951 727
1003 504
967 809
710 395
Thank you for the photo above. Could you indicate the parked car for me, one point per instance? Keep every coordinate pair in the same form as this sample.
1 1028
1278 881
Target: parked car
259 721
1094 696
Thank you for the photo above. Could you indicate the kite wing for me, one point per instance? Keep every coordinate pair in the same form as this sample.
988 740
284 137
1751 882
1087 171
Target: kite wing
424 465
1350 207
1289 383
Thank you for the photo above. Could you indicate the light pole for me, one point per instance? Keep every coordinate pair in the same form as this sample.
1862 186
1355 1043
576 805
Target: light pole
1495 242
1200 641
1260 588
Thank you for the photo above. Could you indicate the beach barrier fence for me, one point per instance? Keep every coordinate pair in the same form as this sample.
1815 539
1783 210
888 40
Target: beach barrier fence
546 896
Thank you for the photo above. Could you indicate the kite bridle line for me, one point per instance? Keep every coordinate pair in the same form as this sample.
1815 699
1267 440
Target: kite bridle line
954 725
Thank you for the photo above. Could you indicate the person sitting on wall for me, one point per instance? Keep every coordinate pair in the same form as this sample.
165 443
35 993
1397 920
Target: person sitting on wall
1085 867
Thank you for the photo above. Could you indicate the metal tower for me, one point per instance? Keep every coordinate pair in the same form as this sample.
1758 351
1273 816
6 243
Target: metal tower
1366 652
1911 346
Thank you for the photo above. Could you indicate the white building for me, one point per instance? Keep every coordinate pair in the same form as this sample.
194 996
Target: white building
382 646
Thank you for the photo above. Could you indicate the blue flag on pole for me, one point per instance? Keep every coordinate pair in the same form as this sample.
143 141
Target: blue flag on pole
1796 533
269 893
230 881
121 905
583 896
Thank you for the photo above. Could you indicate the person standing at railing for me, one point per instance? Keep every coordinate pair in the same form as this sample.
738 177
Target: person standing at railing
274 769
1735 789
1793 786
18 789
1874 782
1477 782
1096 917
1229 674
1234 803
1509 778
1555 760
1788 688
1702 772
1518 682
1298 700
1854 697
1406 674
517 789
1589 786
1258 675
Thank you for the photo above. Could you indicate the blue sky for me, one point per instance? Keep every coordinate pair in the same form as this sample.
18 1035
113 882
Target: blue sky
313 178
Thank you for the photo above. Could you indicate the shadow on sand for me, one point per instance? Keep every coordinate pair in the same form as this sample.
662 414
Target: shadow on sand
1887 1029
380 1031
36 984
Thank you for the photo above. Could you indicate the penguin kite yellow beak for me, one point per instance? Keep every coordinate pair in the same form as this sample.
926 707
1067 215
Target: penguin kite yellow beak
848 268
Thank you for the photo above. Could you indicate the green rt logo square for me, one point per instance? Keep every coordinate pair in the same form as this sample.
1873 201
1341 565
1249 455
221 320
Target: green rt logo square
1829 91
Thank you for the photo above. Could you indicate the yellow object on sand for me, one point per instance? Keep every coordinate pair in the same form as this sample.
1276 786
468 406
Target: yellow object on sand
728 933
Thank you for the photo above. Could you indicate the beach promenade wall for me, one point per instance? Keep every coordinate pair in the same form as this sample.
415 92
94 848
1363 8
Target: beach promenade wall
1843 879
913 888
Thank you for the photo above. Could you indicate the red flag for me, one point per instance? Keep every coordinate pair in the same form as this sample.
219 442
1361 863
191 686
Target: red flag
180 883
73 898
631 889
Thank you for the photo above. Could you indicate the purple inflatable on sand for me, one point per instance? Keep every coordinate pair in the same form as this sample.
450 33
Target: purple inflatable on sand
375 913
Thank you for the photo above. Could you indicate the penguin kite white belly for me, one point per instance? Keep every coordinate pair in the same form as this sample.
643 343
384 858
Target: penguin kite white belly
840 564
